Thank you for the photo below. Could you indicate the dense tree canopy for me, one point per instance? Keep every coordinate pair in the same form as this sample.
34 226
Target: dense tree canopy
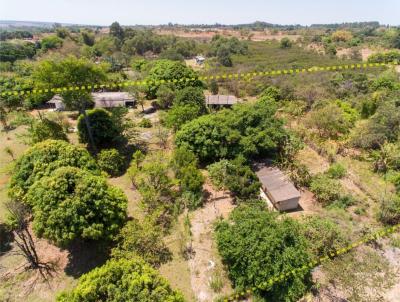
45 157
165 70
103 129
122 280
10 52
248 129
44 129
256 246
72 204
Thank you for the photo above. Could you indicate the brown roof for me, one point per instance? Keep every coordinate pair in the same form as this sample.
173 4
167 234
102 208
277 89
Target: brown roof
277 184
221 99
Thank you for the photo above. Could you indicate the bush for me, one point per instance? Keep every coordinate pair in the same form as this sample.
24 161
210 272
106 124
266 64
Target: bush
74 204
286 43
145 123
51 42
387 57
103 129
45 157
110 161
141 239
46 129
326 190
336 171
122 280
256 245
324 236
390 210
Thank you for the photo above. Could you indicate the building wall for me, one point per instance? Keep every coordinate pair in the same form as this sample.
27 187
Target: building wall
289 204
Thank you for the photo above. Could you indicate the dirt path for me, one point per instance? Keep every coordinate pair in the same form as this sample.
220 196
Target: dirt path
205 263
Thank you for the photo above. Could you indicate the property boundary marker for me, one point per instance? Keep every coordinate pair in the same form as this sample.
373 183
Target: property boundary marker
223 76
312 264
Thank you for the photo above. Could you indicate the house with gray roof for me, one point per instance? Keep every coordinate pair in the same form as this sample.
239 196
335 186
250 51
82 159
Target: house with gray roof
219 100
277 189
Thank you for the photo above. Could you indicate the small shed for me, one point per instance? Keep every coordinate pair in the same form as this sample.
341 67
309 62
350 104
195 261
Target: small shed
278 188
56 102
200 60
112 99
219 100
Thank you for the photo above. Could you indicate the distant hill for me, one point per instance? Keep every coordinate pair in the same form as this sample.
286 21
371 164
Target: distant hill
12 24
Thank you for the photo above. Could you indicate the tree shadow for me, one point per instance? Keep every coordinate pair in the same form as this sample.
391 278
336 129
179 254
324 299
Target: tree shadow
85 256
6 238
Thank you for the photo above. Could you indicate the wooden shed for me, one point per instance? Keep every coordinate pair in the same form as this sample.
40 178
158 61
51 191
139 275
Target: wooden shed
279 190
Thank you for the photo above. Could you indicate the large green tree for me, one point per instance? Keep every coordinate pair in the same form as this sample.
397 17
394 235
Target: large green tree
256 245
171 71
42 159
73 204
122 280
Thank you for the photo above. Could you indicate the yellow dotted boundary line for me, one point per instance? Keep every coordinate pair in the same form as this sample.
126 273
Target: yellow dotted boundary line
301 270
229 76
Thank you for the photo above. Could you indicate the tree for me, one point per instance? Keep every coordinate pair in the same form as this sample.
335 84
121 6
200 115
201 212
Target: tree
117 31
88 38
103 130
73 204
165 96
178 115
71 72
43 129
248 129
285 43
141 239
42 159
175 72
256 245
342 36
193 96
110 161
51 42
214 87
122 280
223 56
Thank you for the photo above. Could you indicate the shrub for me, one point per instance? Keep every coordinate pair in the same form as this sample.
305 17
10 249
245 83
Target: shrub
141 239
51 42
326 190
336 171
390 210
387 57
255 246
45 157
286 43
46 129
110 161
324 236
103 129
122 280
75 204
145 123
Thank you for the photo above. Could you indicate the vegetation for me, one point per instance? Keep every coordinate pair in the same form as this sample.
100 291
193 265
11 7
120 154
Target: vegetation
115 282
110 161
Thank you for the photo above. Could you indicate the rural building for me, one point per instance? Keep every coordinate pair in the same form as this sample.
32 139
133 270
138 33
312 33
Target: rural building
200 60
219 100
277 189
101 100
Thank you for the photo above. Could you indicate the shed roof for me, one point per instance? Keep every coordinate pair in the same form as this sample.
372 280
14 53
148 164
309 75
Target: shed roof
111 96
221 99
277 184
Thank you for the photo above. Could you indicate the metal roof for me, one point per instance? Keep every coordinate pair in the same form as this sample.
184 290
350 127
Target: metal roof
277 184
221 99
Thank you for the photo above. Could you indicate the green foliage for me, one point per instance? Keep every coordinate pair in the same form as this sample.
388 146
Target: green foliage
326 189
122 280
387 57
285 43
103 129
44 129
87 38
145 123
224 57
248 129
110 161
256 246
45 157
165 70
336 171
51 42
66 73
141 239
193 96
10 52
324 236
389 212
74 204
235 176
214 87
165 96
116 31
179 115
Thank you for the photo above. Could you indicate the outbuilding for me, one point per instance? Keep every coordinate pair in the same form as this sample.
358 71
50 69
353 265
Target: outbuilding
277 189
220 100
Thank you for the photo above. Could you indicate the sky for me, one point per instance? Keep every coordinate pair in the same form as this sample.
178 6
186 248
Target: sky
154 12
